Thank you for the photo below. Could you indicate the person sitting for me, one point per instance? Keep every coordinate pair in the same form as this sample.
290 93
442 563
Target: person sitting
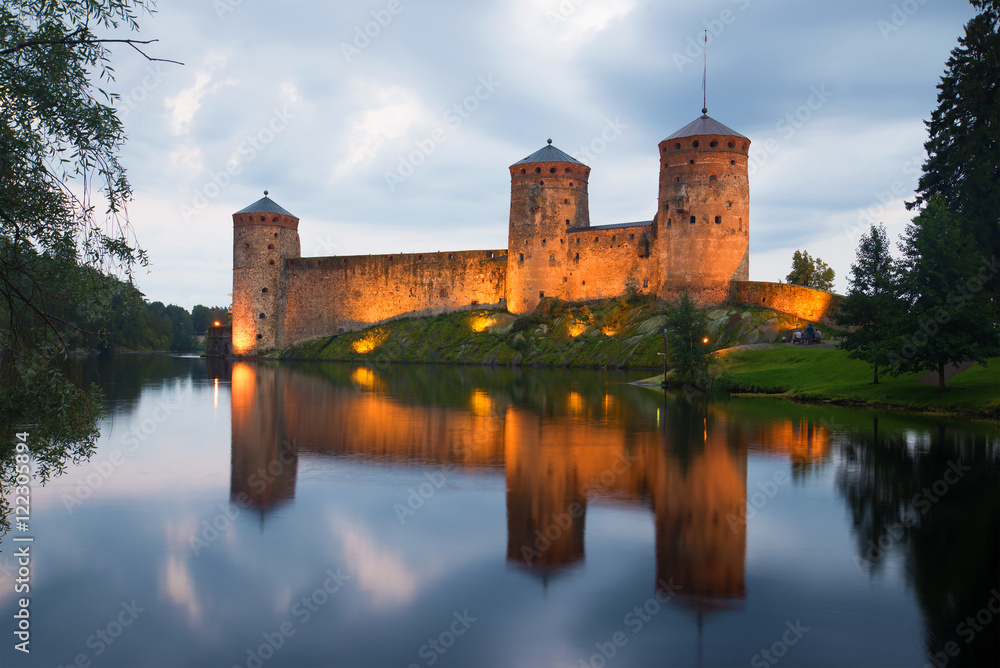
797 336
819 336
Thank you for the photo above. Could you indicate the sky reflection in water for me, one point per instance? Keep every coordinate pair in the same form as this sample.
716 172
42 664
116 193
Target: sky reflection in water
339 515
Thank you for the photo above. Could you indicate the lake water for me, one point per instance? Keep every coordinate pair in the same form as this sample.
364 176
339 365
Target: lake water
338 515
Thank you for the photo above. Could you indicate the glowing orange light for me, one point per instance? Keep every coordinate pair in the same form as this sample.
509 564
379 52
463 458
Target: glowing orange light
364 378
705 340
480 323
217 323
607 331
370 341
481 403
576 328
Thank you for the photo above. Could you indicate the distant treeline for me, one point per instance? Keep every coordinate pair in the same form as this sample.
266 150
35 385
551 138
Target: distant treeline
125 319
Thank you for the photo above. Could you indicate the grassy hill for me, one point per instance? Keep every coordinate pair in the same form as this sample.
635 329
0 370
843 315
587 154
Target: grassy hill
615 333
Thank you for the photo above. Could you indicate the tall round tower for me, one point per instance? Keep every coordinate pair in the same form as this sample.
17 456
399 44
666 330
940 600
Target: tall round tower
703 214
548 195
264 235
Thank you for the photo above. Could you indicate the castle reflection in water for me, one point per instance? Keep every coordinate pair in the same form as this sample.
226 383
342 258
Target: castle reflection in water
559 452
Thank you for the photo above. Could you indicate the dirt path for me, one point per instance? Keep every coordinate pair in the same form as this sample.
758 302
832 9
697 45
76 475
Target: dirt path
950 372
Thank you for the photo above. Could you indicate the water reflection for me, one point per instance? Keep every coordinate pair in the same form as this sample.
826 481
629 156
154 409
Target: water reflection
549 503
559 455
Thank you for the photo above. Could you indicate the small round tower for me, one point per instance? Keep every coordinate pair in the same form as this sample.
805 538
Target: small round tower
548 195
264 236
703 210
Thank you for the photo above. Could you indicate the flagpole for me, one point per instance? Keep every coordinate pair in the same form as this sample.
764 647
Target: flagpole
704 77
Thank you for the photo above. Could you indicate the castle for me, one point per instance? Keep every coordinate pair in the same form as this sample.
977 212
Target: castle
697 241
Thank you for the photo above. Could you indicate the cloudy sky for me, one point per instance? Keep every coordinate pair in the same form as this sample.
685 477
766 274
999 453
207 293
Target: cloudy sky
387 126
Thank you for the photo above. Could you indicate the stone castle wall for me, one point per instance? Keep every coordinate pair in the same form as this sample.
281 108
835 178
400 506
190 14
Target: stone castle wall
800 301
332 295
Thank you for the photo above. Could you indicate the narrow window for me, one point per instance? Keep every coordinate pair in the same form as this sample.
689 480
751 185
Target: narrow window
729 205
262 316
451 256
645 283
564 279
614 238
669 221
712 177
631 237
718 220
595 239
541 294
552 257
692 220
444 293
520 257
264 290
577 257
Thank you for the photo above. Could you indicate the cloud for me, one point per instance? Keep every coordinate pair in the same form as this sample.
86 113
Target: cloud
390 112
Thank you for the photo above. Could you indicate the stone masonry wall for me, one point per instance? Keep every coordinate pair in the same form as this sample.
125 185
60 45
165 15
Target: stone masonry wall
596 263
803 302
332 295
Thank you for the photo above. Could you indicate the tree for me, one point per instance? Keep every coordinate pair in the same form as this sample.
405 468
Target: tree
963 148
947 320
810 272
686 336
872 309
59 138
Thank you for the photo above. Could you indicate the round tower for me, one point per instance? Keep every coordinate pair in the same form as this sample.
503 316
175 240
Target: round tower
548 195
264 235
703 214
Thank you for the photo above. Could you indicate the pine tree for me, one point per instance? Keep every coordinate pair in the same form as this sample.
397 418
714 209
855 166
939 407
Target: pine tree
686 335
942 281
872 308
963 148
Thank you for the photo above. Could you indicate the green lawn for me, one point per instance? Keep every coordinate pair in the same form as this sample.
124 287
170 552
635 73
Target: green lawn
808 373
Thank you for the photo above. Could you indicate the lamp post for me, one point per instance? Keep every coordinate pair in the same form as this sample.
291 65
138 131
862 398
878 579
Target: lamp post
665 355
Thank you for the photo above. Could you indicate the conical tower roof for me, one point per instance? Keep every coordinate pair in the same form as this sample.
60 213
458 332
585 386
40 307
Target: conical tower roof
705 125
549 154
266 205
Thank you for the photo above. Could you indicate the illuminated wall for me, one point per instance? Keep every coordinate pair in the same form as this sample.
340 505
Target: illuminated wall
333 295
800 301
